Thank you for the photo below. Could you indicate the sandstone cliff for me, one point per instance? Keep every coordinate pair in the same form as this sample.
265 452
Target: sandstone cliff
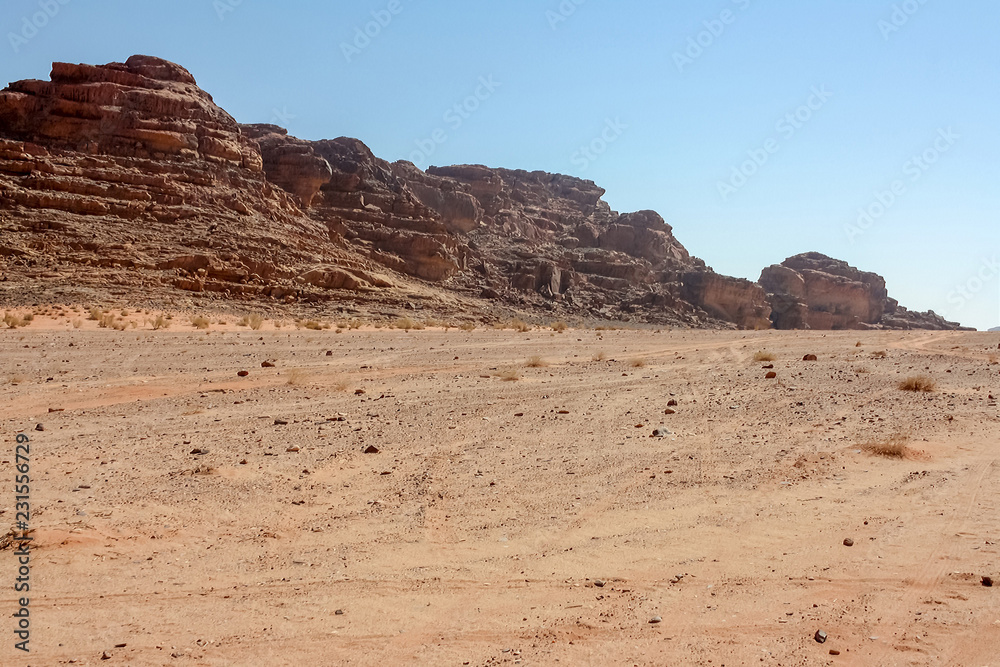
126 181
813 291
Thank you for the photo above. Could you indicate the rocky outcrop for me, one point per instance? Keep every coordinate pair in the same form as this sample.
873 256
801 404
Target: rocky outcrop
128 179
813 291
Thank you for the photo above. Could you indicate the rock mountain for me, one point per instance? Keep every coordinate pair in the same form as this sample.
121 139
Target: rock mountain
127 182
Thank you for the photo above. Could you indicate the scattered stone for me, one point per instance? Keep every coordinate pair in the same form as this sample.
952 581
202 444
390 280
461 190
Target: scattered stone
672 402
810 357
198 451
359 392
339 612
834 651
771 375
267 364
660 433
105 656
61 409
599 583
39 427
820 636
988 582
329 353
669 411
243 374
243 462
293 448
768 367
371 449
655 620
848 542
280 422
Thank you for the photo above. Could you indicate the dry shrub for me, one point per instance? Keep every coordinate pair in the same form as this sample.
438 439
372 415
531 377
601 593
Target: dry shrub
764 356
77 323
406 324
917 383
94 314
881 354
159 322
296 377
510 376
994 360
638 362
537 362
467 326
16 379
862 369
559 326
893 447
14 321
600 355
314 325
200 322
253 320
520 325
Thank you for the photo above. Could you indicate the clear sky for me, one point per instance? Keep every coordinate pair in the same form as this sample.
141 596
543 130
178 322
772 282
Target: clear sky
758 128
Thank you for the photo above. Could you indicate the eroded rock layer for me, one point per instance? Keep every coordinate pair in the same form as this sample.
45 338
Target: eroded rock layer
127 180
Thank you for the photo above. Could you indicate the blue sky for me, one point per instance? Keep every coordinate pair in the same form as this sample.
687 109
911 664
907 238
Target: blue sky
758 129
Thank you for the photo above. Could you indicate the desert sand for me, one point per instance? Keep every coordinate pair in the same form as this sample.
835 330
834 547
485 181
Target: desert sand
519 510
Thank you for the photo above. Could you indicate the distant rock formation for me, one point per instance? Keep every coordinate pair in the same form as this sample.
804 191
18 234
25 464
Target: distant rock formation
127 181
813 291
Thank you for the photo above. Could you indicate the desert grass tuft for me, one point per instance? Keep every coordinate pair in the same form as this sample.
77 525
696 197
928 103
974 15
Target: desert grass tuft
764 356
537 362
510 375
638 362
917 383
559 326
895 447
296 377
200 322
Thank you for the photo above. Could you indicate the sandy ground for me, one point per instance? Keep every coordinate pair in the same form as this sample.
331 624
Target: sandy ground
529 521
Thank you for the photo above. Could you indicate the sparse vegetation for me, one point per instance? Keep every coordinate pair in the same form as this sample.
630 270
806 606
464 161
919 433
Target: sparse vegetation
510 375
296 377
917 383
405 323
994 360
893 447
862 369
764 356
467 326
200 322
559 326
520 325
95 314
314 325
638 362
600 355
159 322
16 379
77 323
14 321
537 362
881 354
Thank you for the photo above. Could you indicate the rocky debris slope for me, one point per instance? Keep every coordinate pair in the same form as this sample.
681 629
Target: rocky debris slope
813 291
533 240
